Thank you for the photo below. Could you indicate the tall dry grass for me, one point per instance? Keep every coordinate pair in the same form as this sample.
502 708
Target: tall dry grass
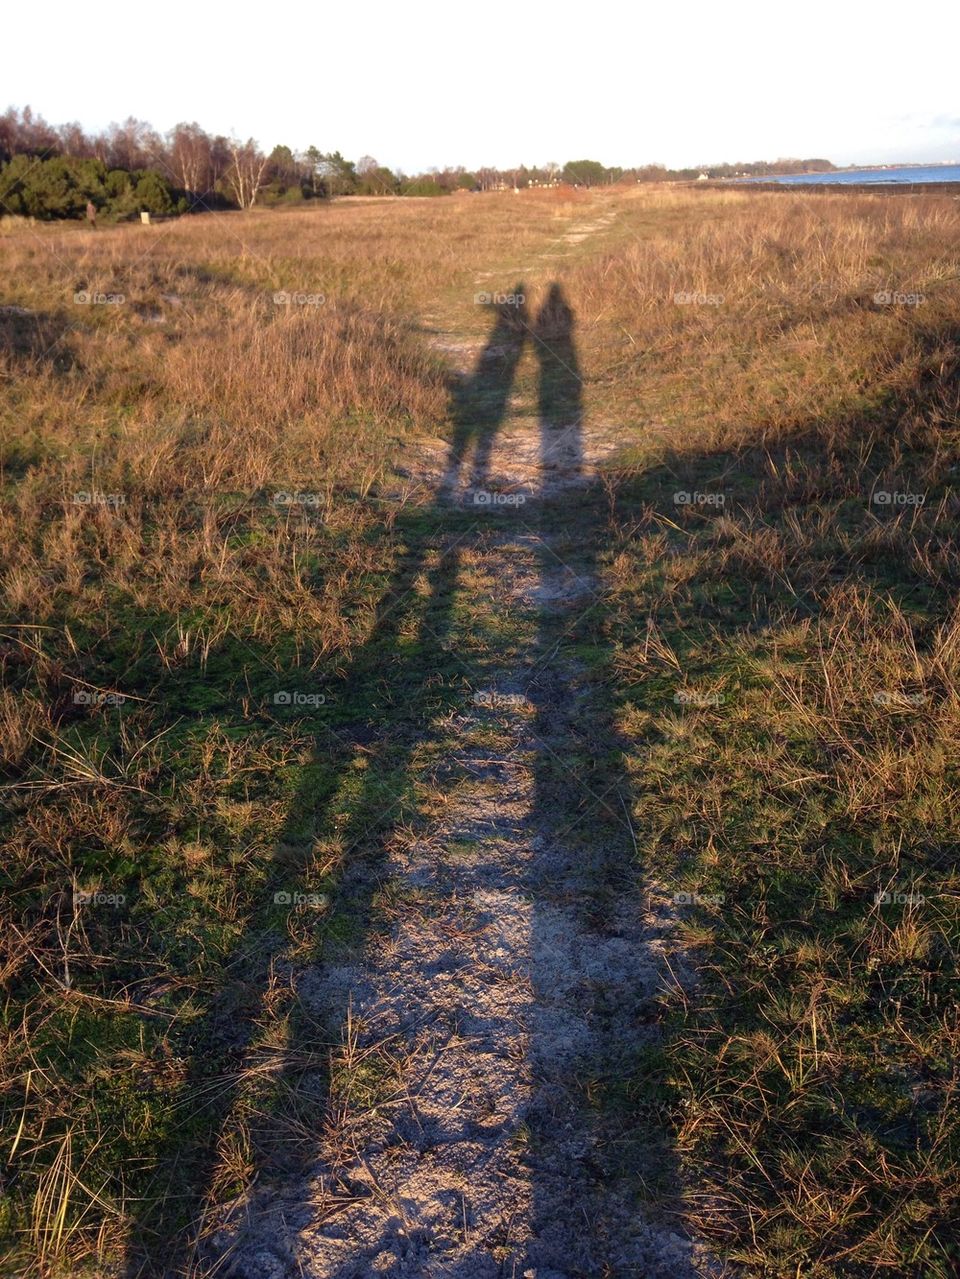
195 595
155 597
789 331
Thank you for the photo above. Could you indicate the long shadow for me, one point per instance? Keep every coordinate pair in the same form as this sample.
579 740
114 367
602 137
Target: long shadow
593 1164
834 466
585 883
375 699
588 856
480 402
624 1176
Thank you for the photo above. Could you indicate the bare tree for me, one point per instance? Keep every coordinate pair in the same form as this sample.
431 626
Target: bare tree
245 172
220 159
73 140
24 132
133 145
190 157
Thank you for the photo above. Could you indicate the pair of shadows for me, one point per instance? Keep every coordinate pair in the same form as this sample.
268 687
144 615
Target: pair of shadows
481 402
565 746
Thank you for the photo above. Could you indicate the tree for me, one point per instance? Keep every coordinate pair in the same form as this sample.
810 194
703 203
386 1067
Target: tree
189 148
133 145
584 173
245 172
73 141
56 188
220 160
339 175
153 194
375 179
282 167
313 160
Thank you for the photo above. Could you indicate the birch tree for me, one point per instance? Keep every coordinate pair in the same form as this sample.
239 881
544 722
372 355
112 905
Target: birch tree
245 171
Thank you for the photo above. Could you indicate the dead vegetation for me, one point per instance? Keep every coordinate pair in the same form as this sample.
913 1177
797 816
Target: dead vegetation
194 520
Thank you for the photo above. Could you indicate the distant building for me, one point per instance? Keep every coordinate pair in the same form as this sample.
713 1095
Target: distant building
704 177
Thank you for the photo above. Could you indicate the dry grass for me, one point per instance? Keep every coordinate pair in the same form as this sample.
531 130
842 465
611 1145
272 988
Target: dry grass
146 633
794 717
795 335
812 1078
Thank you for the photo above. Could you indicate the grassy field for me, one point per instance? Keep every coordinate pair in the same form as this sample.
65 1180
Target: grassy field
219 566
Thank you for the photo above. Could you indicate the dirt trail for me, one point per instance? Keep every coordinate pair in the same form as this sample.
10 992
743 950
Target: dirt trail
493 994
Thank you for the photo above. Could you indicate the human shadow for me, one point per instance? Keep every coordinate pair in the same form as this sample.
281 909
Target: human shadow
386 705
837 468
480 402
593 978
596 975
560 395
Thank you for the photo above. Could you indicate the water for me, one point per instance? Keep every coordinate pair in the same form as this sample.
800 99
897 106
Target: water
868 177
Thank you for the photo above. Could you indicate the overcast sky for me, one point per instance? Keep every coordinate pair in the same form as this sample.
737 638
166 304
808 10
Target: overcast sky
436 82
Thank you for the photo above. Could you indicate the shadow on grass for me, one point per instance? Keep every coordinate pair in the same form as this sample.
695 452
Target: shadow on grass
32 342
598 1158
785 616
755 579
387 698
396 690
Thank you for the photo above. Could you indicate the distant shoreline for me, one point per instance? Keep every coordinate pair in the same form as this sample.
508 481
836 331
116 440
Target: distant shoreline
833 188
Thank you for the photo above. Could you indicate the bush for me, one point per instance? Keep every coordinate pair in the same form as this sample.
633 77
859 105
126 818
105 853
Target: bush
61 187
153 193
422 186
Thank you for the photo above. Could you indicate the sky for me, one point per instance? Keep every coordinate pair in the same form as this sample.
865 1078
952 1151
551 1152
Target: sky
428 83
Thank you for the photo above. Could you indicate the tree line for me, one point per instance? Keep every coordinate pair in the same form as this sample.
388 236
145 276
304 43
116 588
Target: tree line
57 171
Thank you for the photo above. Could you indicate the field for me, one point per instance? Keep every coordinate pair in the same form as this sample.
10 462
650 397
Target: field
480 726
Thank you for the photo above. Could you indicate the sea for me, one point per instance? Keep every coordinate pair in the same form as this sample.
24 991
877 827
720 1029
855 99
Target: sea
867 177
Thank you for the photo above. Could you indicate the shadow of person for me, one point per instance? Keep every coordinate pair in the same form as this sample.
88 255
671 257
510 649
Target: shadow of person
480 401
560 397
386 709
596 970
